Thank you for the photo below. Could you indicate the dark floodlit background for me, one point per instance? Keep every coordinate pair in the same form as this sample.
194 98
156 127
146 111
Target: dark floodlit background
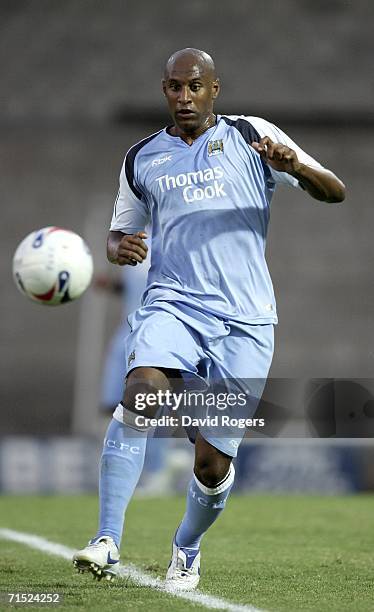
80 83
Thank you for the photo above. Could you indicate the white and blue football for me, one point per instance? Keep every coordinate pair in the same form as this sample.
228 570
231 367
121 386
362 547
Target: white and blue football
52 266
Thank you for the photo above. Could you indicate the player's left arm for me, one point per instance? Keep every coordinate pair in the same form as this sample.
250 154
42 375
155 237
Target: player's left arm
320 183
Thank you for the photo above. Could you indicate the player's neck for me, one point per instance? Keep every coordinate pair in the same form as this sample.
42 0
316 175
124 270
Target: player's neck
190 137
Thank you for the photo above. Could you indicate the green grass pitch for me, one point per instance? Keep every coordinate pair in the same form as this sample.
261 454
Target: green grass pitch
279 553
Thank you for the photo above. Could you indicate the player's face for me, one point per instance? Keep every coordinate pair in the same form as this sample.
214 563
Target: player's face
190 94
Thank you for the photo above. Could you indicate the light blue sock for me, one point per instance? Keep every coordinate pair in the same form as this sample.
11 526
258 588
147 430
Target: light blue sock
121 465
204 505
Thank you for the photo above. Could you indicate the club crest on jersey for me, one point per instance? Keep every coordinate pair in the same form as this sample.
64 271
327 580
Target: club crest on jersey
215 147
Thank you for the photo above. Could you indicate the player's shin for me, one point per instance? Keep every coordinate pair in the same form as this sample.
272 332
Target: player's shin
204 505
121 466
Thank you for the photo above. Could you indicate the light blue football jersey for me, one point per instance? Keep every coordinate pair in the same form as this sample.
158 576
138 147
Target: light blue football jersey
209 207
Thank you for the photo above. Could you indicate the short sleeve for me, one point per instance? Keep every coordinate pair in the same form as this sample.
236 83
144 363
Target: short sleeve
131 212
265 128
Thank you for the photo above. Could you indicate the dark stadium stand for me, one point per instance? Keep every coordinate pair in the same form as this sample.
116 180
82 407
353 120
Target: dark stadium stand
83 58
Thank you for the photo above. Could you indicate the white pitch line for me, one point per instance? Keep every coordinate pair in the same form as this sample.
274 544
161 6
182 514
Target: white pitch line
127 571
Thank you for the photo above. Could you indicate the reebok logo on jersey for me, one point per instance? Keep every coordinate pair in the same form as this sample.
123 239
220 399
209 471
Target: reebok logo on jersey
161 160
193 186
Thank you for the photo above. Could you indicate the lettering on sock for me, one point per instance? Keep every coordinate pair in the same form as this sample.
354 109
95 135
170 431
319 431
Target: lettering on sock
203 502
121 446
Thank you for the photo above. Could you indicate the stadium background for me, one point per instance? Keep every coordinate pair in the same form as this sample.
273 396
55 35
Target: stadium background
80 84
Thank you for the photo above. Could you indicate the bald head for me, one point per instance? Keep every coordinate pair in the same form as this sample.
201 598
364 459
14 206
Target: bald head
188 60
190 86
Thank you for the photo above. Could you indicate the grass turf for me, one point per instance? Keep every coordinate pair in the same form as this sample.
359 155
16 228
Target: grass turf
281 553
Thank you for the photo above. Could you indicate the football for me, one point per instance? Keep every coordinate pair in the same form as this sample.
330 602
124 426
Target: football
52 266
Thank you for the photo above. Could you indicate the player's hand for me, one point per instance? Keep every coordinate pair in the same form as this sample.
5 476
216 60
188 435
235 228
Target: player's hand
277 155
132 249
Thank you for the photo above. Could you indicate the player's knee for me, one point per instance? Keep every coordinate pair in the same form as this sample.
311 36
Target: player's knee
143 386
212 470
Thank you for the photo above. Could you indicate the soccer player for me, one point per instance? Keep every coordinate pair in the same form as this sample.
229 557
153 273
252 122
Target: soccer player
206 183
130 288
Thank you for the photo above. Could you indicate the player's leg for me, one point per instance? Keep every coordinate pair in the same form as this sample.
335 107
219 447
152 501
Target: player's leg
114 371
206 499
123 454
121 465
158 337
207 493
239 362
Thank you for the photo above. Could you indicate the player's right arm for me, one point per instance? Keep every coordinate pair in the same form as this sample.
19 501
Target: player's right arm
125 245
126 249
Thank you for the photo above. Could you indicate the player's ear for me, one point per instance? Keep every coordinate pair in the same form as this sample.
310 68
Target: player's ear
216 88
163 85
